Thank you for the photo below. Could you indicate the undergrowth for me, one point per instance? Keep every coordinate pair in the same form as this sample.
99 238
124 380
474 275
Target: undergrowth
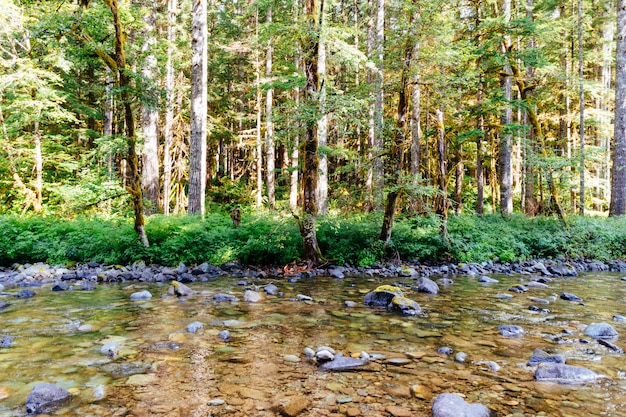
273 239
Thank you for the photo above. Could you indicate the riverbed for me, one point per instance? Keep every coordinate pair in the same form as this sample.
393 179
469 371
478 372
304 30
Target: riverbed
155 367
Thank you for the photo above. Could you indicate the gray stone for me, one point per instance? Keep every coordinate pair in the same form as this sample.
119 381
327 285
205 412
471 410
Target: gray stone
460 357
225 298
616 317
25 294
601 331
426 285
350 304
336 273
44 398
508 330
610 346
539 356
452 405
570 297
251 296
341 363
141 295
193 327
487 280
270 289
7 341
224 335
565 374
302 297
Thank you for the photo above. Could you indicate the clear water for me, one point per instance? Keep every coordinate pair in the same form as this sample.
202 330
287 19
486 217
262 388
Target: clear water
159 369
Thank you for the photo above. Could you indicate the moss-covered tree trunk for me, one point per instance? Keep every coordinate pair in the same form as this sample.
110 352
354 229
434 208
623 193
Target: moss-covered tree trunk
311 250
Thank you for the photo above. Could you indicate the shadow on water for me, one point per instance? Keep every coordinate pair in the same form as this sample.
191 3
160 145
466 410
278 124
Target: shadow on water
156 368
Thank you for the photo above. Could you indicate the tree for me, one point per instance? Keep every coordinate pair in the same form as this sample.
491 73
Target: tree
310 48
506 174
199 93
149 111
168 131
618 173
269 123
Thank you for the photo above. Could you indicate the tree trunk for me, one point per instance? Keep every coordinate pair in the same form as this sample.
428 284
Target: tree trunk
198 115
396 188
134 180
259 144
107 125
581 79
618 173
480 174
322 124
311 251
506 172
443 172
269 125
168 131
38 201
458 181
150 113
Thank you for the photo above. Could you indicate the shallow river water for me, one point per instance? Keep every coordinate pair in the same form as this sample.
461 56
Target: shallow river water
159 369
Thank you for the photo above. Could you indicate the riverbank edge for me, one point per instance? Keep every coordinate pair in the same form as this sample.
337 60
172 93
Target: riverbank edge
92 272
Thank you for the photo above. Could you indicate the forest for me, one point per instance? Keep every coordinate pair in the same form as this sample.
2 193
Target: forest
370 111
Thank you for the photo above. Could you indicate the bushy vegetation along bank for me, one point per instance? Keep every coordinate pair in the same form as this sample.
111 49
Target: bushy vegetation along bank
273 239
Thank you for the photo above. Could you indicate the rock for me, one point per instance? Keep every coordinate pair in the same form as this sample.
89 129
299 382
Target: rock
539 356
270 289
25 294
539 300
302 297
141 295
565 374
336 273
308 352
225 298
460 357
404 305
452 405
536 284
350 304
294 407
426 285
341 363
563 270
610 346
445 281
193 327
397 411
615 318
179 289
7 341
3 305
324 354
487 280
601 331
110 349
60 286
570 297
224 335
503 296
215 402
518 289
445 351
507 330
251 296
382 296
493 366
44 398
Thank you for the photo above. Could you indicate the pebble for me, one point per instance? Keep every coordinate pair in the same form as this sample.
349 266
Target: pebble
141 295
215 402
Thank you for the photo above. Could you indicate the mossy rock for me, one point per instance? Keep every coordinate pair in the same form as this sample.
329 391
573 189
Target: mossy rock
404 305
382 296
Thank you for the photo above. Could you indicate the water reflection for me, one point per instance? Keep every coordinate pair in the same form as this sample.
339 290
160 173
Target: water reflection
162 370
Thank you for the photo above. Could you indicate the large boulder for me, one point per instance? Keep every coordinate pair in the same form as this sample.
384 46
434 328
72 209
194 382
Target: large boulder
565 374
382 296
601 331
426 285
452 405
44 398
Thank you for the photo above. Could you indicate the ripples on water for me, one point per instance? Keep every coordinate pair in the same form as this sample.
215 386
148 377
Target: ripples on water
161 370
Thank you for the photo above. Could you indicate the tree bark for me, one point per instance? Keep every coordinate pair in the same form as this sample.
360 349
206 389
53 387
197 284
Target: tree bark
581 79
270 151
198 116
259 144
168 131
311 251
506 171
618 173
149 112
443 173
480 174
322 124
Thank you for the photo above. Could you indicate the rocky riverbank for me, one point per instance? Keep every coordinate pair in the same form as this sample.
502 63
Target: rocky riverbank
91 273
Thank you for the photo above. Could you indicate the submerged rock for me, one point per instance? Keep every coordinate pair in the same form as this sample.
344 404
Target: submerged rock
601 331
487 280
6 341
570 297
141 295
452 405
539 356
341 364
270 289
565 374
508 330
25 294
225 298
251 296
193 327
44 398
404 305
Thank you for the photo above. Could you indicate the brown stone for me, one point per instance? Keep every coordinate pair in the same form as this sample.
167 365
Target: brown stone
294 407
353 412
398 391
396 411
